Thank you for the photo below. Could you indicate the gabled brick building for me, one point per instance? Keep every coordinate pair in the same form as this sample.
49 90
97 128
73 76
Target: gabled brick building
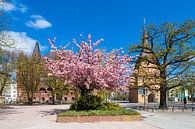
43 93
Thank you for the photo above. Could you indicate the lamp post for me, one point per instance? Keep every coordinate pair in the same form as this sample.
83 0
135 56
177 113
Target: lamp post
193 97
144 91
184 99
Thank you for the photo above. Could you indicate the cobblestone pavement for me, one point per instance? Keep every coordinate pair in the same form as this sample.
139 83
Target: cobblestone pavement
170 120
43 117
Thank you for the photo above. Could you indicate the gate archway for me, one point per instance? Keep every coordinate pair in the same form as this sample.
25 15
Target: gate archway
151 98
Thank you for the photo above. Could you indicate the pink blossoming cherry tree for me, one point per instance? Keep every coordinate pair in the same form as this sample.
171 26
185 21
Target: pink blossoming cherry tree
89 67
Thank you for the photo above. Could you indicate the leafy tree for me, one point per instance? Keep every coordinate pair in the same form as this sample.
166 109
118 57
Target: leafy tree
7 67
189 78
57 86
29 72
6 57
171 51
6 40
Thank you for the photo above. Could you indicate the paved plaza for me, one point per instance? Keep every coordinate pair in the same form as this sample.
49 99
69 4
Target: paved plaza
43 117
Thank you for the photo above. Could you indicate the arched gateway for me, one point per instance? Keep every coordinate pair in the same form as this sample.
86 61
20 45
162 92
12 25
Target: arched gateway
151 98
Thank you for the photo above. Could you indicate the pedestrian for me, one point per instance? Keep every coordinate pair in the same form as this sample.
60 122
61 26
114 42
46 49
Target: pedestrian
185 102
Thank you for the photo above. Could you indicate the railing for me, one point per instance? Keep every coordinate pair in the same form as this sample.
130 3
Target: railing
172 108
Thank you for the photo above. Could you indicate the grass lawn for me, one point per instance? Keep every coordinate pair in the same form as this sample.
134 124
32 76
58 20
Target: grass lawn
99 112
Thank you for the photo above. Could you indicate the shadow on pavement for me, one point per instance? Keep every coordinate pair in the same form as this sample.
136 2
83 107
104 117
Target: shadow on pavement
6 112
52 112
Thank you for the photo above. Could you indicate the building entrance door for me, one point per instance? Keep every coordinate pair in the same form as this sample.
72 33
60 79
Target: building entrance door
151 98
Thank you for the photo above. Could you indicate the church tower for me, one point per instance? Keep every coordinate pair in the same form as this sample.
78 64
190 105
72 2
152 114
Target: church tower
143 88
36 52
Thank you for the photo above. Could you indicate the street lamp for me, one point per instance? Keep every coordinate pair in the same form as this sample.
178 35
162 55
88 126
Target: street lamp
145 91
193 97
184 99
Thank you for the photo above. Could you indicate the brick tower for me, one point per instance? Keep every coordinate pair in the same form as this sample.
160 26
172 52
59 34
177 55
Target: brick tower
144 89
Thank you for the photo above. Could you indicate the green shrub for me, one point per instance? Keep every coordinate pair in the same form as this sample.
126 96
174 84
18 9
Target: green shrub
73 106
110 106
87 102
92 102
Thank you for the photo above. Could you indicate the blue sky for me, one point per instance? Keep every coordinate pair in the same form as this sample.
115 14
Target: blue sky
118 22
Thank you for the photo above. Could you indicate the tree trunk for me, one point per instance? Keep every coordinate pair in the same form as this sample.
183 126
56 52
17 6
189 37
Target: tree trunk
1 91
53 98
84 91
163 98
3 86
163 91
30 101
29 98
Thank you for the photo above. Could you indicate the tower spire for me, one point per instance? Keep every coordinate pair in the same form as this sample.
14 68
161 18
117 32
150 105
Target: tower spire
36 52
144 23
144 40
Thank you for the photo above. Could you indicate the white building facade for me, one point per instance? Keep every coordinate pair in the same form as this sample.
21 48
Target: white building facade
11 93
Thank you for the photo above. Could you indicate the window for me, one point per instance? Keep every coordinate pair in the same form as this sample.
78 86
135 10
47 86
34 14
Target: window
42 93
65 99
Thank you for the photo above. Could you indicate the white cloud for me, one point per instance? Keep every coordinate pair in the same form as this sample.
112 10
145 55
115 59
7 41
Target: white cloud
23 42
7 6
37 17
23 8
38 22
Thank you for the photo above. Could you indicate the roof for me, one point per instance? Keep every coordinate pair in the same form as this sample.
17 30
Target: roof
36 52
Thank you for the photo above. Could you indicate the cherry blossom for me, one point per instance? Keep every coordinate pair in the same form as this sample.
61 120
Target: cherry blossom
90 67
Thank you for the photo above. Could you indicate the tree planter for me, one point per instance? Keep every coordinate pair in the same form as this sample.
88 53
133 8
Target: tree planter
68 119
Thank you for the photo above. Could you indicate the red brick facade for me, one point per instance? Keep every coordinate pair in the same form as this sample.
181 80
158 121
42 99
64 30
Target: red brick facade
43 94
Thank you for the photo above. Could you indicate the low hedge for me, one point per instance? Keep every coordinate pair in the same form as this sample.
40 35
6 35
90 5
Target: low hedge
121 111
